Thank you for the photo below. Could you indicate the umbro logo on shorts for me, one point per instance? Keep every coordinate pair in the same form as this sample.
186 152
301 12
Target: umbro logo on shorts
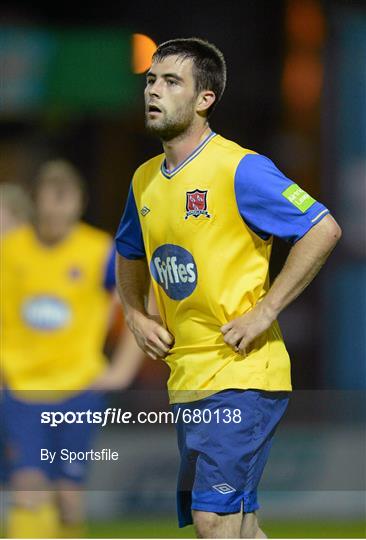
224 488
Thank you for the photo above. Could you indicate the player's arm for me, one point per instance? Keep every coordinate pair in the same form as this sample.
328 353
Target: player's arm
133 280
273 205
126 361
150 334
304 261
127 357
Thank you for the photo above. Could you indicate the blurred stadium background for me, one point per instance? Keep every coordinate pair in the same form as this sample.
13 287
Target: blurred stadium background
297 93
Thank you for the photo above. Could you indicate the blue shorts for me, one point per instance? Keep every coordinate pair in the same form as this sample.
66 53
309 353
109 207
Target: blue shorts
3 463
223 455
26 435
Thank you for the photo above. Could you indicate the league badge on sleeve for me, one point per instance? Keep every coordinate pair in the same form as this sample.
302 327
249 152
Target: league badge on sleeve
196 203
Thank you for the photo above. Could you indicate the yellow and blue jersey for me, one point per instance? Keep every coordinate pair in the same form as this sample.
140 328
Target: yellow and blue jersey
206 229
55 308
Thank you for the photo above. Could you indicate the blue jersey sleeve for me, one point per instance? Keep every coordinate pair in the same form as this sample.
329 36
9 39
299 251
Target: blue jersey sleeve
271 204
109 281
129 242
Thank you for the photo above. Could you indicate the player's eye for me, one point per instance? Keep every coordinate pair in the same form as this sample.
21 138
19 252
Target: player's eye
149 80
171 82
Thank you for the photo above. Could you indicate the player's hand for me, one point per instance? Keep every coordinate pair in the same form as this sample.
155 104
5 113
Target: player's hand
151 336
240 332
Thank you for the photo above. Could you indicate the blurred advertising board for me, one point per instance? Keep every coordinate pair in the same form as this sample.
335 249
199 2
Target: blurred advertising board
71 70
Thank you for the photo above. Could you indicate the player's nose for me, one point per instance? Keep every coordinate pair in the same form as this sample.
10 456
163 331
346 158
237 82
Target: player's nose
154 89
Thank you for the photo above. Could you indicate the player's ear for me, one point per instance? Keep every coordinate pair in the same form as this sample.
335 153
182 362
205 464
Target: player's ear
205 100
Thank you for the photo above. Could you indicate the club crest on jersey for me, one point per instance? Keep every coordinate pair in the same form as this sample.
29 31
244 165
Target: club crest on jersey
196 203
74 273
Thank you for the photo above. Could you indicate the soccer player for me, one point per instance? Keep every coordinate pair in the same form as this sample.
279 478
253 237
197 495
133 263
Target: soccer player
16 209
58 280
201 218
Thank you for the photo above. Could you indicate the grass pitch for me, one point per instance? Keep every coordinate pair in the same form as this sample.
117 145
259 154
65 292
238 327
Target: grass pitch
167 528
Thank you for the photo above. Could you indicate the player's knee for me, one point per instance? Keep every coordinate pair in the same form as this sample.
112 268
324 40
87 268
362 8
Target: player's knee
206 523
71 506
257 533
250 527
212 525
30 489
31 499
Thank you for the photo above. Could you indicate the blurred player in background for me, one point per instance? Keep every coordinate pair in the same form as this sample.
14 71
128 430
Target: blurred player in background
58 283
15 209
201 218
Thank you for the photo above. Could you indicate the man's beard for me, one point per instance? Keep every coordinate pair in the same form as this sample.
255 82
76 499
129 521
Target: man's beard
170 128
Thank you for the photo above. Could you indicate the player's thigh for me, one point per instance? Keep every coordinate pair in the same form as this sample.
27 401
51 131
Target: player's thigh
79 436
70 501
213 525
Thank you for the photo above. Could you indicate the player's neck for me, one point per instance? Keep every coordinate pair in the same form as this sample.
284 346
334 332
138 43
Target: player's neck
178 149
48 237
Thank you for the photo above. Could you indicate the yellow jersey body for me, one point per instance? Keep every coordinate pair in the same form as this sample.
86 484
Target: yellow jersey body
54 309
209 260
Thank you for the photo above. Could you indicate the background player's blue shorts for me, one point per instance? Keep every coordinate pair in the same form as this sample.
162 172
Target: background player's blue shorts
3 463
26 435
222 460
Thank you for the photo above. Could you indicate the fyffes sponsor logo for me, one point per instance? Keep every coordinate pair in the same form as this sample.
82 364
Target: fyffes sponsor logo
46 313
175 270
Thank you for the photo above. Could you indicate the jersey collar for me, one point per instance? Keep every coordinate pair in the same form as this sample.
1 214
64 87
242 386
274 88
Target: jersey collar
196 151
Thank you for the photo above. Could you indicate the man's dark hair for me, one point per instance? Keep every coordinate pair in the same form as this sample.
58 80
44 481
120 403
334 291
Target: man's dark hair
209 67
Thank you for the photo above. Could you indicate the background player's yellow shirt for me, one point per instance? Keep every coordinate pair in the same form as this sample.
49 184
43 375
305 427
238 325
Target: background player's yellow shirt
54 309
206 229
